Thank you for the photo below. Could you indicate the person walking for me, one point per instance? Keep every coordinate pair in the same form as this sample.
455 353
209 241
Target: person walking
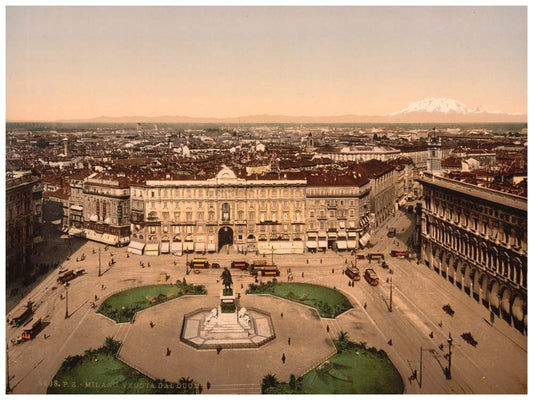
327 328
208 385
168 351
289 341
283 358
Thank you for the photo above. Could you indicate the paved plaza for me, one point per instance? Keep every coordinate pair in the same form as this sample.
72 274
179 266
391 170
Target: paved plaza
497 365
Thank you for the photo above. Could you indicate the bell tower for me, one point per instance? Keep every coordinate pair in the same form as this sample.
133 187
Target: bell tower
434 154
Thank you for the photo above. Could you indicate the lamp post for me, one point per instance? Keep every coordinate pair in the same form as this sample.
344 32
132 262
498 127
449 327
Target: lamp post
187 262
449 370
272 255
390 303
99 263
66 300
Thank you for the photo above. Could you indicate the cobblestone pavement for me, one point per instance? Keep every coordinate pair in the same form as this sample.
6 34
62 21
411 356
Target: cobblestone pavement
497 365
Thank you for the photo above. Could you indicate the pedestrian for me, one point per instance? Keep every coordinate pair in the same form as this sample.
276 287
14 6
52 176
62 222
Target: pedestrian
441 346
208 385
103 286
149 265
151 324
332 270
440 324
414 373
219 349
76 259
281 315
174 262
127 255
302 274
327 328
364 305
283 358
168 351
307 260
242 286
320 261
431 334
289 341
95 297
200 389
390 342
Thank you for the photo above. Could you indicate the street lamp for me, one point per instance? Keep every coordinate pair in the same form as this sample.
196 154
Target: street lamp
99 263
390 303
272 255
187 262
66 300
449 370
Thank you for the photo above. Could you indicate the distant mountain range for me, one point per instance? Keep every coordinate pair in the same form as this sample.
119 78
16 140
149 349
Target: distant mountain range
429 110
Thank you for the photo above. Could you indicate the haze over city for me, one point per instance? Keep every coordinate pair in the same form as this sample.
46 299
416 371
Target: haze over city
225 62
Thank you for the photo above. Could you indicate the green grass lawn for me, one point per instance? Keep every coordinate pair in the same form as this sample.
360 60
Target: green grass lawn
354 371
122 306
99 372
328 302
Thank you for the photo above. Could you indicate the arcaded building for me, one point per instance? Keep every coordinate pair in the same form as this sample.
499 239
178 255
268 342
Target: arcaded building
476 239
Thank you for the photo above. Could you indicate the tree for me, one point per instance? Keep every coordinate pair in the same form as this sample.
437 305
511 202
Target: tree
292 382
226 278
269 380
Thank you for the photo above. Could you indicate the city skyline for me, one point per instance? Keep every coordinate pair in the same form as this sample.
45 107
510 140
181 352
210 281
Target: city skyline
225 62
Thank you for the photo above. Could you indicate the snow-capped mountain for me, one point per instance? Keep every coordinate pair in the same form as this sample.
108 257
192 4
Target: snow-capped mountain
434 104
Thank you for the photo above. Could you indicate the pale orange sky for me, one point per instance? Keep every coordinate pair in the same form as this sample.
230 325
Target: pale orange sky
84 62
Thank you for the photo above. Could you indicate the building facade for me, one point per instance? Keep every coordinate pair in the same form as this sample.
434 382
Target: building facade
476 238
176 216
106 209
338 212
20 214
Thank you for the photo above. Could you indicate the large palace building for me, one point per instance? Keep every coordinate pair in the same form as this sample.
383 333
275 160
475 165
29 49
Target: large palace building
205 215
476 238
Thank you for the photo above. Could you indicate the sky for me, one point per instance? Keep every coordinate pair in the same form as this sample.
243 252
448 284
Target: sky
85 62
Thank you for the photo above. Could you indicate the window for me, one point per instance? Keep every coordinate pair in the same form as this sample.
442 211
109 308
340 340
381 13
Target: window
165 216
225 212
200 216
251 215
153 194
188 216
176 215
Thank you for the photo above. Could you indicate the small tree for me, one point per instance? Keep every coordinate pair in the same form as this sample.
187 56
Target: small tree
269 380
292 382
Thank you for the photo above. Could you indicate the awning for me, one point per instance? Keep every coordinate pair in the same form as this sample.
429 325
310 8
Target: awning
322 234
188 246
332 235
341 244
76 208
352 234
75 231
364 239
199 247
251 247
136 248
211 247
311 244
311 235
351 244
322 244
151 249
165 247
176 247
363 221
